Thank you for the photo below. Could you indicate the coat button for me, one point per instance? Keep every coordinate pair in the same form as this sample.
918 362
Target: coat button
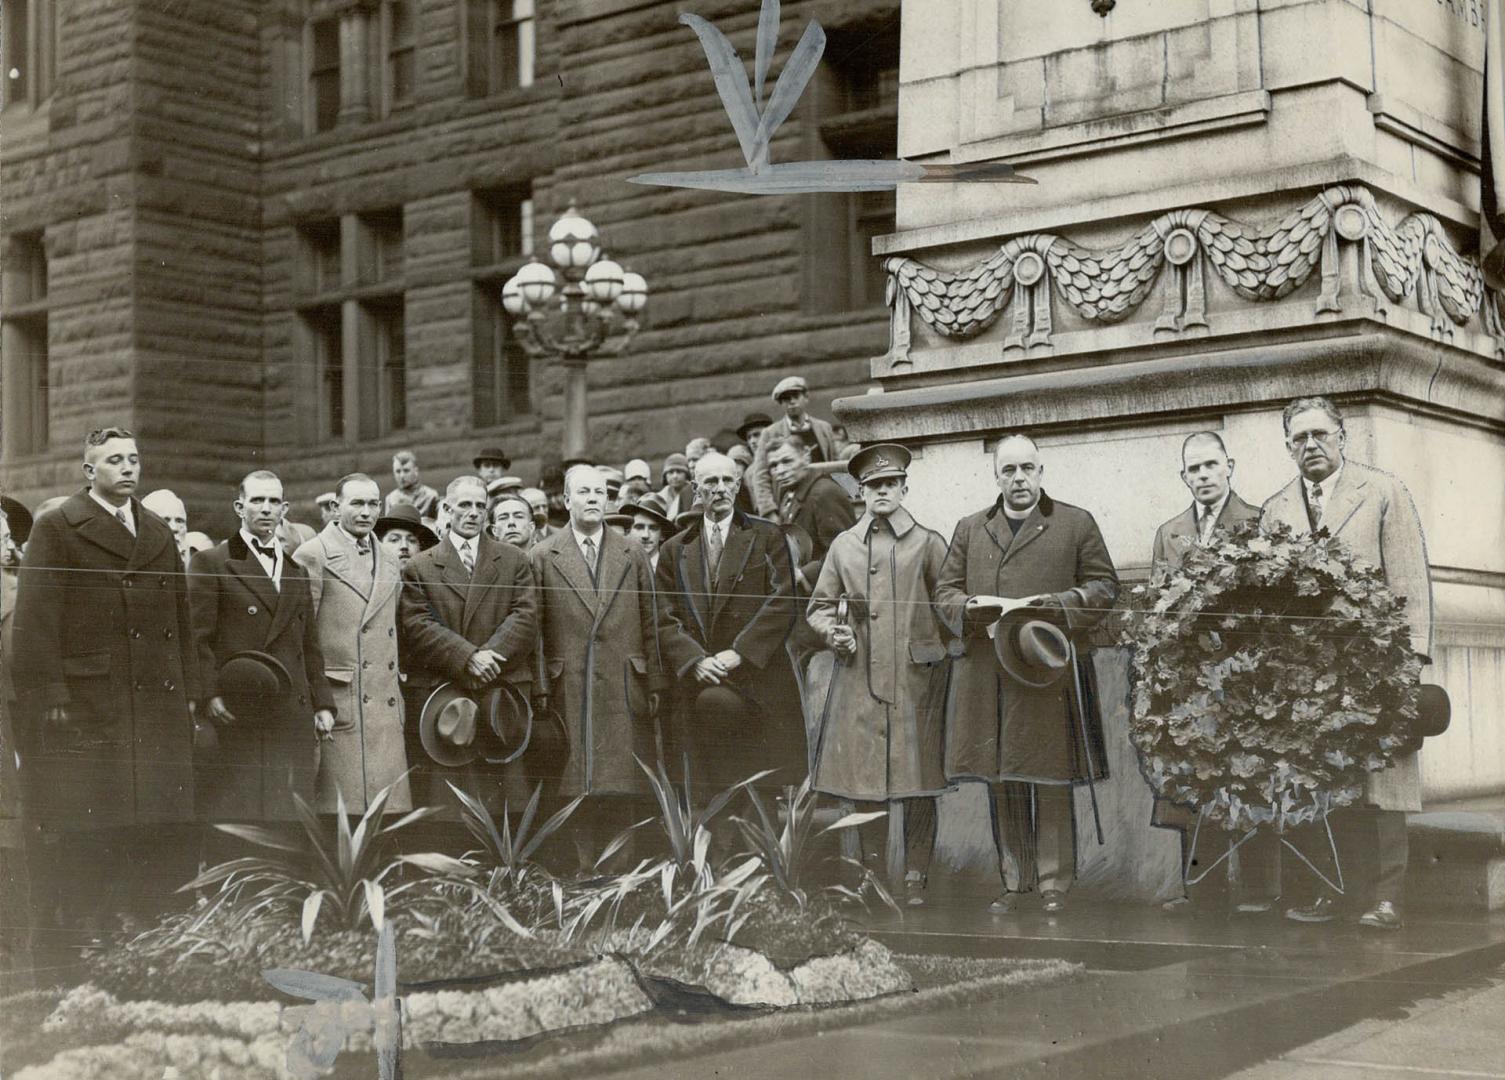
251 610
126 582
391 632
167 633
391 701
140 685
167 684
872 569
135 633
365 699
365 664
391 665
162 581
302 700
874 616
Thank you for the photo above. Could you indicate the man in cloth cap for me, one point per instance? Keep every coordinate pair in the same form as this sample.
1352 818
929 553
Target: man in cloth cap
272 708
409 488
813 501
677 493
491 463
600 658
1032 744
104 669
1371 513
878 742
793 395
354 583
402 532
468 615
725 593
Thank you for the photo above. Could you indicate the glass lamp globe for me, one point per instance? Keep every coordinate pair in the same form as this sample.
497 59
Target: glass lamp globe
573 242
512 297
634 293
536 283
603 281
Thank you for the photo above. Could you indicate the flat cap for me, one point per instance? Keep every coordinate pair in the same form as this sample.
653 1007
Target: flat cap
788 383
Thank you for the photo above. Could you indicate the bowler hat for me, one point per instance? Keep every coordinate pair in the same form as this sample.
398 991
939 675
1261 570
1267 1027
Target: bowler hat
447 726
788 385
492 453
1031 650
406 516
753 420
879 461
508 723
253 676
1434 710
650 506
18 517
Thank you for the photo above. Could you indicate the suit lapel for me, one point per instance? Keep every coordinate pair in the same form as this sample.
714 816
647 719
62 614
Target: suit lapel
487 554
99 527
1345 500
1288 507
569 560
452 569
1185 523
1034 526
388 580
734 556
287 601
151 537
248 569
340 559
690 568
611 572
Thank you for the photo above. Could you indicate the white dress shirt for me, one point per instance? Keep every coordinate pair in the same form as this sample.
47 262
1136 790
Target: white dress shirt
1329 485
1207 517
272 566
461 545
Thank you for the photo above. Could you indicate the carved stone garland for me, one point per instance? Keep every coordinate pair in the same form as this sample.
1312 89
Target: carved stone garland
1107 285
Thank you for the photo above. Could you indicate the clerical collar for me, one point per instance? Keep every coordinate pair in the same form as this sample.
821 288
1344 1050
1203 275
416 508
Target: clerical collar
1019 515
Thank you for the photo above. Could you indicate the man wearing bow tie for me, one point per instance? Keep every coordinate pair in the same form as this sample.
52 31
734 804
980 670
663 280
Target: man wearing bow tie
248 595
468 614
106 677
355 581
1371 513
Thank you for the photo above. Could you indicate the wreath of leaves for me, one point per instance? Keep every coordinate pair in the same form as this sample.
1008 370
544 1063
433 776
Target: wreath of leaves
1272 673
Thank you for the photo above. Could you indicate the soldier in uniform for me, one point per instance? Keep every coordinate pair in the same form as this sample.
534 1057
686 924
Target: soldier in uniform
878 743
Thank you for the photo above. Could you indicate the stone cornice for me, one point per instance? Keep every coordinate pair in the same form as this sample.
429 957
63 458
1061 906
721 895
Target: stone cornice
1372 363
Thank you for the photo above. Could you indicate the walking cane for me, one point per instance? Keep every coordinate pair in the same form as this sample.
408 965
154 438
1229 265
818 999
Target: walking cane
1081 715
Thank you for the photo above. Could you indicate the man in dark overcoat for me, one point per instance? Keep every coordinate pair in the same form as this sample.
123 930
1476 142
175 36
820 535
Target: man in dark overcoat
247 594
809 499
468 614
1033 745
105 672
726 607
600 656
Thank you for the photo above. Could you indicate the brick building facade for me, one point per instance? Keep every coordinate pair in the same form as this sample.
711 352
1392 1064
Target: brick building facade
274 233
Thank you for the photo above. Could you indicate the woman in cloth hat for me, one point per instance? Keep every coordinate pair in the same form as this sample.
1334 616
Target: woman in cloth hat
879 738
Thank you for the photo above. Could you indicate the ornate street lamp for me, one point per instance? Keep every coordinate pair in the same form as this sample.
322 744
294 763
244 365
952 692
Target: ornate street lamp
592 313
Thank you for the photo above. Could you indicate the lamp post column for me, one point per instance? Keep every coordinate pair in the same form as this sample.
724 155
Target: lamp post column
576 418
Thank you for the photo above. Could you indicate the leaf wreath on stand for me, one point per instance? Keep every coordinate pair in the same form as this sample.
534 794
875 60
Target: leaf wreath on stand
1271 674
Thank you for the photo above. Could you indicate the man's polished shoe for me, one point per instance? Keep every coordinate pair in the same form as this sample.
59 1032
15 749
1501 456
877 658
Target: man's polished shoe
1052 901
1004 903
1322 910
1253 906
1382 916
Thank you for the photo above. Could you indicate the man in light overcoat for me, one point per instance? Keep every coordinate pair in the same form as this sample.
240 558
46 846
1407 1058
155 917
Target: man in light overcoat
879 736
1371 513
355 581
1032 745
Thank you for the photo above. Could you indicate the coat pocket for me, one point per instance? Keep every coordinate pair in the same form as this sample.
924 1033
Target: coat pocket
86 665
635 672
342 676
926 652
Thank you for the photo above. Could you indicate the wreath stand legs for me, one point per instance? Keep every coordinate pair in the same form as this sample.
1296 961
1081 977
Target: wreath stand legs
1191 853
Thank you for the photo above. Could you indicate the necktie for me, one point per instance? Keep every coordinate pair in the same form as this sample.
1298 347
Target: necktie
1204 523
124 518
590 555
713 550
363 546
1314 506
468 557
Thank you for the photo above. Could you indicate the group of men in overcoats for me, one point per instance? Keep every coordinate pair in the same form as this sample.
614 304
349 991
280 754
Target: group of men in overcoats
345 665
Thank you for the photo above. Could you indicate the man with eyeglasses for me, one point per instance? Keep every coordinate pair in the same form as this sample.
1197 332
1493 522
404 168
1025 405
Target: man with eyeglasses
726 607
1371 512
793 395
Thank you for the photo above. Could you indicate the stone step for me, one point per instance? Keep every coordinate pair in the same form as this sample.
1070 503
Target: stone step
1457 858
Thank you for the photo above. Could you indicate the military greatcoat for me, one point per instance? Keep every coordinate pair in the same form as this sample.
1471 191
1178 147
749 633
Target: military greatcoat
880 732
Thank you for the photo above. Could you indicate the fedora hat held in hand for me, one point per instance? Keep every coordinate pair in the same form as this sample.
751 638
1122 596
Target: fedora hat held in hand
1032 650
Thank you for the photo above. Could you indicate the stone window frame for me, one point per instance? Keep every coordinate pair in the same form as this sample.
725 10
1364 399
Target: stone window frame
501 369
24 349
30 31
393 49
482 24
318 107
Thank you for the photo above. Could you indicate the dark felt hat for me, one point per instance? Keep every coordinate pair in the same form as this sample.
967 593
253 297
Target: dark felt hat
492 453
507 719
650 506
1434 711
1032 650
405 516
249 677
753 420
18 517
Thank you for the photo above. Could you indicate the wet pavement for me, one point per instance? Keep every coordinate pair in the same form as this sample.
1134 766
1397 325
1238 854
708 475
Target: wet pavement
1166 996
